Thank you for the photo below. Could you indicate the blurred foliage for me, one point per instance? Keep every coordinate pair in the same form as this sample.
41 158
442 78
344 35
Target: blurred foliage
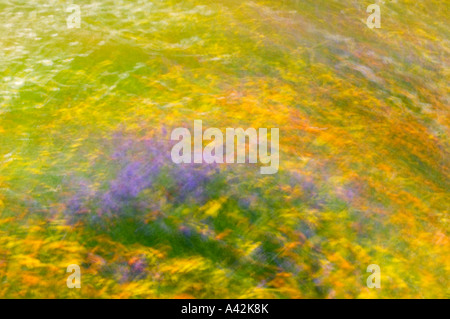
364 172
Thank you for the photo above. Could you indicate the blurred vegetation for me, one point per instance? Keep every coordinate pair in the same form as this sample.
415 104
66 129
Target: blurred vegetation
364 171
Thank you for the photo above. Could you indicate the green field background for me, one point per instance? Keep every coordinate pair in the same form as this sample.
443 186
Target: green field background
85 122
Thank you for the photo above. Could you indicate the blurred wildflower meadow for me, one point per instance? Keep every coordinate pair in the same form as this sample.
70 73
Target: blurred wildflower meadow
85 170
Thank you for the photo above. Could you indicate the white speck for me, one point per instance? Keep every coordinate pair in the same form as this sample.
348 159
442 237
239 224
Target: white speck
47 62
19 82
